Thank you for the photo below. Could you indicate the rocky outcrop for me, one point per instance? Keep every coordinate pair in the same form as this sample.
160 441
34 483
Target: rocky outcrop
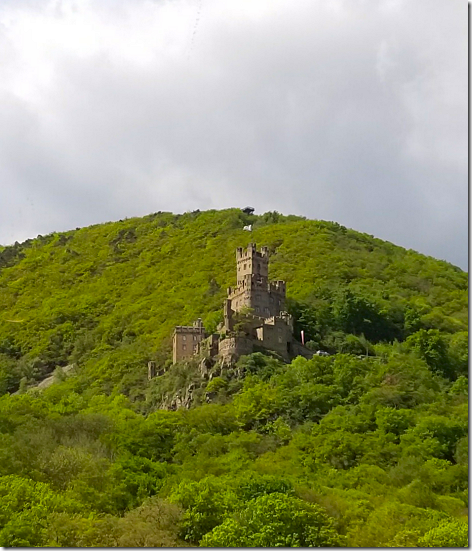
181 399
48 381
208 368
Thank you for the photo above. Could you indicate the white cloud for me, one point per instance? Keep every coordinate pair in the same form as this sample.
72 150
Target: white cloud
354 112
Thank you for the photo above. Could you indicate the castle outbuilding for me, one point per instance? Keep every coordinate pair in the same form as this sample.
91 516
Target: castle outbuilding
254 317
187 339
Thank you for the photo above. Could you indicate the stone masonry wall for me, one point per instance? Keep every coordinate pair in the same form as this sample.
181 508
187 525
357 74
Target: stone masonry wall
234 346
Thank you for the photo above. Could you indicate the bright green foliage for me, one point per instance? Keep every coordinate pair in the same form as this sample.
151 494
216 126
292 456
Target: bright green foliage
394 524
459 352
206 504
24 508
107 297
216 384
451 533
394 421
367 447
276 520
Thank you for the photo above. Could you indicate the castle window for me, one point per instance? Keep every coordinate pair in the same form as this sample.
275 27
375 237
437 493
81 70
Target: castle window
194 347
195 337
257 308
266 310
184 337
184 347
280 329
280 338
245 265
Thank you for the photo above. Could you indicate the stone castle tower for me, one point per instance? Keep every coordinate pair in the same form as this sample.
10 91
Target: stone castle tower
253 289
266 323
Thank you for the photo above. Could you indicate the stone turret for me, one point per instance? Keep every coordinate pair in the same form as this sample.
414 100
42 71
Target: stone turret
253 289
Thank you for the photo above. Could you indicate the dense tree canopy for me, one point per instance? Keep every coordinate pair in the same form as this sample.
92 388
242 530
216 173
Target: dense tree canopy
366 447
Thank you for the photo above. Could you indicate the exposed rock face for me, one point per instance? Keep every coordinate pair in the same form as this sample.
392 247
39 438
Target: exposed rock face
48 381
208 368
205 367
153 371
209 396
181 399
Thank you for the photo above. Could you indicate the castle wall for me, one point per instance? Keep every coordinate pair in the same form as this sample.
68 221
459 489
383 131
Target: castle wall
299 350
264 303
240 298
276 335
252 289
208 347
267 302
266 299
233 347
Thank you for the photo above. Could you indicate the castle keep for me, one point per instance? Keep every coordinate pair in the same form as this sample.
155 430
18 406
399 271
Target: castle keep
254 317
253 289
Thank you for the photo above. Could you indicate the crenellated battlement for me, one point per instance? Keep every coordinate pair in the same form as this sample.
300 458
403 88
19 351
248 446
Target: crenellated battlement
188 329
196 328
251 262
253 289
277 286
251 252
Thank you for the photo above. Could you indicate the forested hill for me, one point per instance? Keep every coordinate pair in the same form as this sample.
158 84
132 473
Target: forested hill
328 451
105 294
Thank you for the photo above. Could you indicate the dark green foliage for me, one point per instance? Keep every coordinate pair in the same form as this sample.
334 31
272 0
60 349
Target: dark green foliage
259 485
433 349
262 365
412 321
357 315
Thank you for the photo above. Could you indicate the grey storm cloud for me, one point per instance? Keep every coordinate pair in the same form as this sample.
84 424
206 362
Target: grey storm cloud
337 110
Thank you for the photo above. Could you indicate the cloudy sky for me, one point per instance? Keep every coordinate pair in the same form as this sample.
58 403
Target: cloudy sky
346 110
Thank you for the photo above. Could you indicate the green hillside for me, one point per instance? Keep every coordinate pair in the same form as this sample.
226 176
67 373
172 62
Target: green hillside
325 452
121 287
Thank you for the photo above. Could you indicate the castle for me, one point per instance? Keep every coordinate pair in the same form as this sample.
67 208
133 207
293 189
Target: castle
254 317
